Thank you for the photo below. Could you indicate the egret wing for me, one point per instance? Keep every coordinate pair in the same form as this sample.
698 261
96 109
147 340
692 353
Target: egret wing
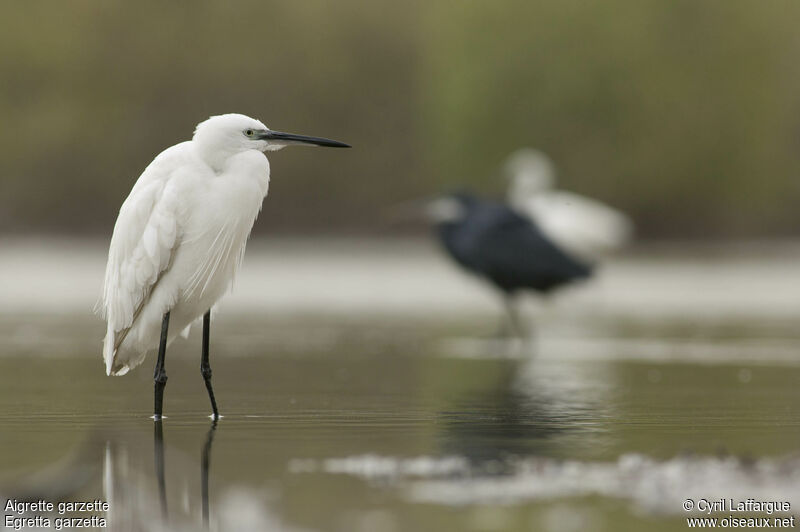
142 248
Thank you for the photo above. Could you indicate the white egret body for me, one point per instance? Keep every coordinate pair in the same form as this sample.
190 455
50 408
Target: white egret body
181 234
583 226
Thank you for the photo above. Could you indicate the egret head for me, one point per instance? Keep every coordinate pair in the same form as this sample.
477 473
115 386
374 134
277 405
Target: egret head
233 133
530 172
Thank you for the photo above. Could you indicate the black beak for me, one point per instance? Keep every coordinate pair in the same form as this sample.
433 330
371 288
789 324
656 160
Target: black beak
280 138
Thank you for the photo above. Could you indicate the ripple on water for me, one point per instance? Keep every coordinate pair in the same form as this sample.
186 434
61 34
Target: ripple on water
653 486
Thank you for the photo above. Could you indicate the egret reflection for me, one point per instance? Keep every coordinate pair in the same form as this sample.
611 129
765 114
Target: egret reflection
146 487
205 459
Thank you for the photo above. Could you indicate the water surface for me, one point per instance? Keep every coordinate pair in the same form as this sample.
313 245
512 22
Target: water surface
342 423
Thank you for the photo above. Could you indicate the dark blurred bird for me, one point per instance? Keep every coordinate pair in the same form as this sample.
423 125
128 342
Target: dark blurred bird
493 241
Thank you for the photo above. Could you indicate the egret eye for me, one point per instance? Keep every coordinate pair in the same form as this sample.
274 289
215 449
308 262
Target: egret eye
249 132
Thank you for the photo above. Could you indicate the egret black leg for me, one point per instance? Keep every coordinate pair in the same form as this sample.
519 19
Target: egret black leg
205 367
160 374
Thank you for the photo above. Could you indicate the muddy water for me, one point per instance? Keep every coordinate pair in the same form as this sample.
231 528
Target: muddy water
341 423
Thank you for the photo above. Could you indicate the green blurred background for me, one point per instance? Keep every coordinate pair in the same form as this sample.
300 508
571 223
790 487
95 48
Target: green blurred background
685 114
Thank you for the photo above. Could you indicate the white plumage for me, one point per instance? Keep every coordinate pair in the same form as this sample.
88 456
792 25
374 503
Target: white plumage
585 227
180 236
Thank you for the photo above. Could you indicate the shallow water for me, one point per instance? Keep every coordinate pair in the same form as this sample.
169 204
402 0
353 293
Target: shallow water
372 424
362 390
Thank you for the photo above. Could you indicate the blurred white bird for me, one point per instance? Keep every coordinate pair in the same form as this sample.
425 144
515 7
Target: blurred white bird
586 228
180 238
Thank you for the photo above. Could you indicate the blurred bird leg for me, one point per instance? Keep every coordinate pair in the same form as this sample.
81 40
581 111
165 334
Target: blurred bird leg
516 327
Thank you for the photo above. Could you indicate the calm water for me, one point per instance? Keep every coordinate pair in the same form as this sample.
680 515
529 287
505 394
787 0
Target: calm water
378 424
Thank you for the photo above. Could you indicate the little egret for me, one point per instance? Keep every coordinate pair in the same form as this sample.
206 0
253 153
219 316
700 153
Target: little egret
180 237
494 242
582 226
